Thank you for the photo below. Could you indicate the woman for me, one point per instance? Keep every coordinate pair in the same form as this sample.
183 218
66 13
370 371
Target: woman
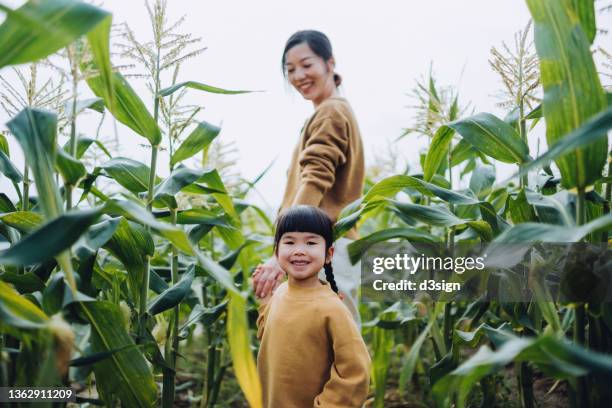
327 168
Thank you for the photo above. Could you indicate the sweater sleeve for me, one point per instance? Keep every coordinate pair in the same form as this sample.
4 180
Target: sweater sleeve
349 379
324 150
261 319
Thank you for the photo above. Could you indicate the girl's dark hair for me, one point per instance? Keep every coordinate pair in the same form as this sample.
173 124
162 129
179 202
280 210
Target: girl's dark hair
318 43
306 218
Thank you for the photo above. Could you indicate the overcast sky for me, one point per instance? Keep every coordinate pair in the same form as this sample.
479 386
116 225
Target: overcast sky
380 49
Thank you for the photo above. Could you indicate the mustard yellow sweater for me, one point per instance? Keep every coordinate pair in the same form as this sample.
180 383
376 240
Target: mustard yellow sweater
327 169
311 353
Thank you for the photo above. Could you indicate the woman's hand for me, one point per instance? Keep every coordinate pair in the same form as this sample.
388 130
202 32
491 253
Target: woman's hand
266 278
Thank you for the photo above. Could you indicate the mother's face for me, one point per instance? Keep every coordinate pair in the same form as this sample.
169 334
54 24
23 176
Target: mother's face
309 74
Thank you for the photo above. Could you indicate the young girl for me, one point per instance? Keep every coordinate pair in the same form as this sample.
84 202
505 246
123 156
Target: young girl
311 353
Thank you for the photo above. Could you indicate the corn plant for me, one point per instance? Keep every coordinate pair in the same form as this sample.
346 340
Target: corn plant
91 288
542 335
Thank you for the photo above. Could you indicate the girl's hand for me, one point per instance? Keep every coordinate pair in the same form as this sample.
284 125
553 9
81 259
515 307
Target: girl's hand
266 278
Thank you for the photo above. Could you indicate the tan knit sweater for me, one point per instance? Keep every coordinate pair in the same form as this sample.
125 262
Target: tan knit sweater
311 353
327 168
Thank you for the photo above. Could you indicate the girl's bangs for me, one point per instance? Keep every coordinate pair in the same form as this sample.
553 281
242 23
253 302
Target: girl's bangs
304 218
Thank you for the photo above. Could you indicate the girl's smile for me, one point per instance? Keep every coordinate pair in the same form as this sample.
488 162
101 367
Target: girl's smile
302 255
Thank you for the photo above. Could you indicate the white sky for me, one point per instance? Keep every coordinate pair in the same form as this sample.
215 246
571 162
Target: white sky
380 50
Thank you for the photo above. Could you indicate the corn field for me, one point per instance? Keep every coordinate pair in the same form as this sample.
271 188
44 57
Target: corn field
113 280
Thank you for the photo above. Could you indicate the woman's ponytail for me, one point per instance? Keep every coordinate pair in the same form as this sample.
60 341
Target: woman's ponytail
329 276
337 80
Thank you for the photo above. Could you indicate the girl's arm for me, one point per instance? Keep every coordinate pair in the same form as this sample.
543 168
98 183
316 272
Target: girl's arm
263 313
349 378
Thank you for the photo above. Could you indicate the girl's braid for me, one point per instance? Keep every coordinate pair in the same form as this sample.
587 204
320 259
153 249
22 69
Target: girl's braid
329 276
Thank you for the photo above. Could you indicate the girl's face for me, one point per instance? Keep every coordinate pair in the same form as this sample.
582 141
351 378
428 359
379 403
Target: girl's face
309 74
302 255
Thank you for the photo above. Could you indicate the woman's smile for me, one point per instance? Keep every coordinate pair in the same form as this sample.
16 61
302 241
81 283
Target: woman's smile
310 74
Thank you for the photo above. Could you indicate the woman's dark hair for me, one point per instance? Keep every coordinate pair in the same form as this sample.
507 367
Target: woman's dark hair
318 43
306 218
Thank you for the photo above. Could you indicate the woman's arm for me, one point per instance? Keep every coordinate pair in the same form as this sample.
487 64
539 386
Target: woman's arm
324 150
349 378
267 277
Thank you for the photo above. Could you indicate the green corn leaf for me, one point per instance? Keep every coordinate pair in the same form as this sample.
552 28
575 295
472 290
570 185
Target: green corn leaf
594 130
17 311
460 381
199 86
230 259
431 215
482 228
8 168
483 178
92 358
173 295
177 180
358 247
536 113
49 240
131 244
4 146
54 293
585 10
202 216
493 137
35 130
137 213
99 41
126 106
222 275
520 210
410 362
6 205
395 316
124 375
95 104
441 217
468 339
240 350
71 169
23 221
461 152
83 144
201 137
438 151
213 180
549 208
556 357
232 237
347 222
100 233
534 232
40 28
130 174
382 346
572 90
24 283
207 315
391 185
